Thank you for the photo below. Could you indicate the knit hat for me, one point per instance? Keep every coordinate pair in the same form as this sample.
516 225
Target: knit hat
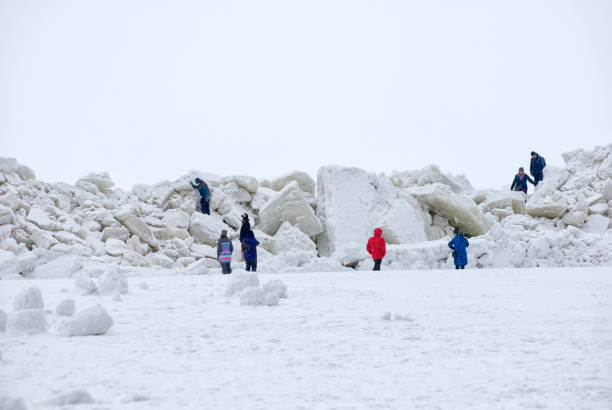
533 153
198 180
521 169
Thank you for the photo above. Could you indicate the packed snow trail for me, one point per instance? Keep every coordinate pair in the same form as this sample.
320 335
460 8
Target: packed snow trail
406 339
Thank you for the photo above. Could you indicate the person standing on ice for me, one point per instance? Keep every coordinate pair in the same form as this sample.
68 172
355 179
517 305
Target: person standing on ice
520 181
244 230
204 195
224 252
249 244
377 248
459 246
536 168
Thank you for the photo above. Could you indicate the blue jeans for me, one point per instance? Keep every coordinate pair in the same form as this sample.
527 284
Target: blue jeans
537 178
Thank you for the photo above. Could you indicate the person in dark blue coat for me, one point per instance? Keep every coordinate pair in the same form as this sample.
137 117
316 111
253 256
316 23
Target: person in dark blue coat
204 195
520 181
536 168
459 246
249 244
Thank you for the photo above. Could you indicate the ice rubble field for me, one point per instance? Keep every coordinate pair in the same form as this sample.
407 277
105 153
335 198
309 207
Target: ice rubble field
489 338
111 298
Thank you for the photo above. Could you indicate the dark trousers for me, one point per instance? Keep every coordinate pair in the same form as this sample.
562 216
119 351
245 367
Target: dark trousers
459 266
226 267
377 263
251 265
205 205
538 178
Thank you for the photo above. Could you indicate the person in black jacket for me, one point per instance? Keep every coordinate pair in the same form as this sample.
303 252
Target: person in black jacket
536 168
244 231
520 181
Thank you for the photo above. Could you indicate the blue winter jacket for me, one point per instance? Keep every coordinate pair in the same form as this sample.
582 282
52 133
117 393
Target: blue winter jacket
204 191
520 184
459 244
536 168
250 244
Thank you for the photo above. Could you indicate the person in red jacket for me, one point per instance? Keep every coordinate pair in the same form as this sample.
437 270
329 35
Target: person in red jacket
377 248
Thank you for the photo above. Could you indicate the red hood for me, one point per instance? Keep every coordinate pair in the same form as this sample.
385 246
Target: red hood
378 232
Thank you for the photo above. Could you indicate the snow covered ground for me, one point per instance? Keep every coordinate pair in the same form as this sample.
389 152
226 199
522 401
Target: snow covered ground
487 338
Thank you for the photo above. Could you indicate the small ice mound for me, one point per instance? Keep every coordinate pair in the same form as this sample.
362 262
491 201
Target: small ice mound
112 281
28 321
66 307
143 285
271 299
12 403
89 322
135 398
2 320
197 268
29 298
117 297
72 398
395 316
239 281
85 284
275 286
251 295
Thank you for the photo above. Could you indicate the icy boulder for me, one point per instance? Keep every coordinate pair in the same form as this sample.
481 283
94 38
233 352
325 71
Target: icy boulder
461 211
66 307
304 181
138 228
271 299
597 224
112 281
288 237
403 222
430 175
576 218
30 298
239 281
276 287
546 209
250 184
504 199
27 321
26 173
60 267
176 218
85 284
252 295
289 205
89 322
607 190
39 217
101 180
206 228
197 268
72 398
6 215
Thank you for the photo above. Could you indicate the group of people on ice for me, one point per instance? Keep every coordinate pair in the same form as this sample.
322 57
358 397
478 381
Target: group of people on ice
536 169
248 244
376 245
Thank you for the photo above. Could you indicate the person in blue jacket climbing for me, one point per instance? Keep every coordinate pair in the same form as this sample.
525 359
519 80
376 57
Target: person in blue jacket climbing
536 168
204 195
249 244
520 181
459 246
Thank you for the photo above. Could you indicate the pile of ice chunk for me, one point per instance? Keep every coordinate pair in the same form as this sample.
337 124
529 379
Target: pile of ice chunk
246 285
52 230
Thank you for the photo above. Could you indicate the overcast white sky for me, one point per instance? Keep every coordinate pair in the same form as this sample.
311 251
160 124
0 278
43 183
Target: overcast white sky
148 90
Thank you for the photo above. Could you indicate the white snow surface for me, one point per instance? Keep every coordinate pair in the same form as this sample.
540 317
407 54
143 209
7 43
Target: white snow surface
479 338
